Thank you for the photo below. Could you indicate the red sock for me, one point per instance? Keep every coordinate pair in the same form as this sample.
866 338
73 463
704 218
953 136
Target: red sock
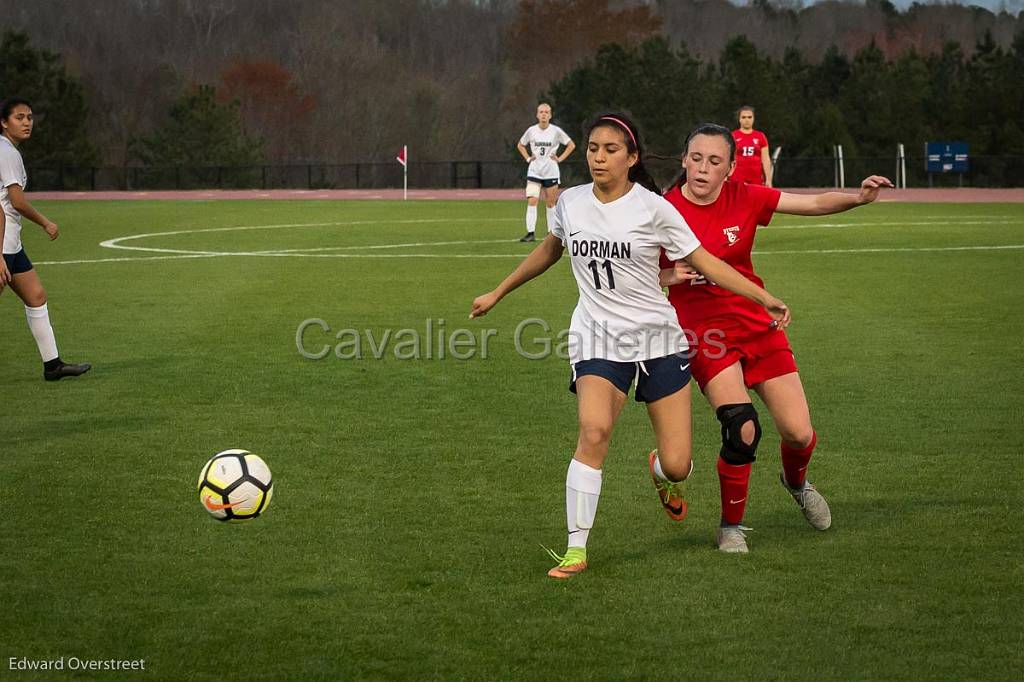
734 480
794 462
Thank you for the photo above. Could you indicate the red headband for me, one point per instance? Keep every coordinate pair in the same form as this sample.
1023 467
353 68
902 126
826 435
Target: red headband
624 126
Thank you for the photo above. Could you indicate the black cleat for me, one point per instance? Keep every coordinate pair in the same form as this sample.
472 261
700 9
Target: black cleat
529 237
64 370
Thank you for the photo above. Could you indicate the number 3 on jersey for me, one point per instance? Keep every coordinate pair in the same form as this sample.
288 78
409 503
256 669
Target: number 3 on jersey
595 268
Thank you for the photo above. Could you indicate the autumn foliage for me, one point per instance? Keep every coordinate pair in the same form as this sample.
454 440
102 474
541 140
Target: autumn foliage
271 106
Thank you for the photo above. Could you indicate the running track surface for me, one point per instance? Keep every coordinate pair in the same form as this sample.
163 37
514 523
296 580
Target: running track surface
929 196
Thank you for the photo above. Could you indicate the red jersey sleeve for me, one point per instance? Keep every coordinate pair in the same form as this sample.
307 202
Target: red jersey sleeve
673 195
763 200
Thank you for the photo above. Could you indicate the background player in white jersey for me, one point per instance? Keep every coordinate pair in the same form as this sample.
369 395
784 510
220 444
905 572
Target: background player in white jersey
623 329
16 269
539 147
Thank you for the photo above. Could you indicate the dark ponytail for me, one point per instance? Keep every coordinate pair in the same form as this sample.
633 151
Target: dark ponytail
638 173
710 129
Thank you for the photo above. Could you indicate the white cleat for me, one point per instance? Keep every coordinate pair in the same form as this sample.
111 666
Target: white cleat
811 502
732 539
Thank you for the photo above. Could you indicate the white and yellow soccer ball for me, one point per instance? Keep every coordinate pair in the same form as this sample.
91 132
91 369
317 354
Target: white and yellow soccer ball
235 485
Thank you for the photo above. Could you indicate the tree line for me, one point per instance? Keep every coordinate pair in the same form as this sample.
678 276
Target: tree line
237 82
866 103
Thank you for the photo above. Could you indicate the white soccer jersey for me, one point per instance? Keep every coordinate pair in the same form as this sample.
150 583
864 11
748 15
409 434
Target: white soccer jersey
12 172
614 249
544 145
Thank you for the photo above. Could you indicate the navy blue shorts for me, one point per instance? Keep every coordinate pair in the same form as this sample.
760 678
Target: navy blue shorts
549 182
655 379
18 262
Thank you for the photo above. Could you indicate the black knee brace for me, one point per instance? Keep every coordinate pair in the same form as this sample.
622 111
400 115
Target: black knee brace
733 417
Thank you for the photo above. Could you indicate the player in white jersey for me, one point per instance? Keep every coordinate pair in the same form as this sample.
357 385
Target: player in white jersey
539 147
16 269
624 330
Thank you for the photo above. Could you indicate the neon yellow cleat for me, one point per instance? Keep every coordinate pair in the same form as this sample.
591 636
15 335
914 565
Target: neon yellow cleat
670 494
573 563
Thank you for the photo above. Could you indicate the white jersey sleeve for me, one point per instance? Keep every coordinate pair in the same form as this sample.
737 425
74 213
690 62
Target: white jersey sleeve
557 226
12 172
12 167
675 235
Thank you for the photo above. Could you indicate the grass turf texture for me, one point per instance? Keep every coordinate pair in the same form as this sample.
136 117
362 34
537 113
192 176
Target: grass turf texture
411 496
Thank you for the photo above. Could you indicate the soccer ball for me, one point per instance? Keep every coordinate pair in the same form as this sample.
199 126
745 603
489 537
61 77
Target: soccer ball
235 486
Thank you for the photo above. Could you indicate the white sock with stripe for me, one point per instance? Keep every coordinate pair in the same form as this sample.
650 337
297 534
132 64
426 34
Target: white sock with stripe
582 491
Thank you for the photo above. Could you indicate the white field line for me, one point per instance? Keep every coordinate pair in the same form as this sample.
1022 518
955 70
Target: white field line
319 252
115 243
924 249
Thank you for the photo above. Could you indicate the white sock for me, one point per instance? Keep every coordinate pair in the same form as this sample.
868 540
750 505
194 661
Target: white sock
582 490
550 214
531 219
660 473
39 324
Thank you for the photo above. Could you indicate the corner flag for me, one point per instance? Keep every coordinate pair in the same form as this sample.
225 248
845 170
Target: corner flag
403 158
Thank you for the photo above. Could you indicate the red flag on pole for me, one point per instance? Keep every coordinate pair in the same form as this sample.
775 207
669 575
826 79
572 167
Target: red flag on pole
401 155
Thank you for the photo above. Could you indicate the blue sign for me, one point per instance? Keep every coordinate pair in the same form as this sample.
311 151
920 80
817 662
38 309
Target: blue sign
945 157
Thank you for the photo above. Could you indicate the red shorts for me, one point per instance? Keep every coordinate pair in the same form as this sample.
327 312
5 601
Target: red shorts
761 358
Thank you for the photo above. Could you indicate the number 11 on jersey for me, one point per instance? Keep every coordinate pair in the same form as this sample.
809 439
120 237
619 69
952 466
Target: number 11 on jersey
595 268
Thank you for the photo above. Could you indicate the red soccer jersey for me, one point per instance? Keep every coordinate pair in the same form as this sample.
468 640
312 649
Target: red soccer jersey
726 229
748 156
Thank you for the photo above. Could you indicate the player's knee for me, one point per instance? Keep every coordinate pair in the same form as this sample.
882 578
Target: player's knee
36 299
676 468
595 435
797 438
741 432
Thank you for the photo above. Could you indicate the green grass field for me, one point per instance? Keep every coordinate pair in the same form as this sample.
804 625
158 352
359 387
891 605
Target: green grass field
411 496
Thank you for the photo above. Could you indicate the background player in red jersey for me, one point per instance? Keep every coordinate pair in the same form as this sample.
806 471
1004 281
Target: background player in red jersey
753 162
739 347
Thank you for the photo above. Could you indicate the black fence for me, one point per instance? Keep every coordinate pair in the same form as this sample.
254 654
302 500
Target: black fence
985 171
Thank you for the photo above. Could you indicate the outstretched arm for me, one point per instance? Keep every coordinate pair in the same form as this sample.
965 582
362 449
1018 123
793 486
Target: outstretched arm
723 274
540 259
832 202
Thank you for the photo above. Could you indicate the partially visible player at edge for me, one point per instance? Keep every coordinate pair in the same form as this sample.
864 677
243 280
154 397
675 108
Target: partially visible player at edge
16 269
623 329
753 161
539 147
724 215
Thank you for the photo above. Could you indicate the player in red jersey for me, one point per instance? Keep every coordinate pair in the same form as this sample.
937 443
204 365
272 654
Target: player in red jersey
753 163
739 347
